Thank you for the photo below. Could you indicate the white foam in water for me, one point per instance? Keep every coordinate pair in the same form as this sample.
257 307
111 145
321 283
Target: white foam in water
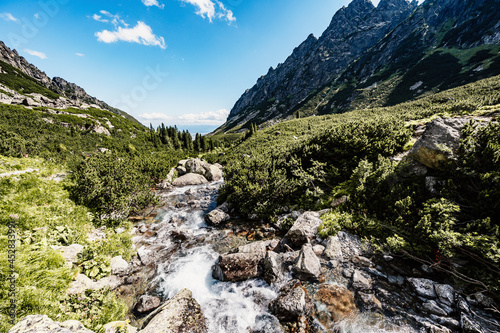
369 324
228 307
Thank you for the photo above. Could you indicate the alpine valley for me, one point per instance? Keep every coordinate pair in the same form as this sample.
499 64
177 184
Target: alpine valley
354 188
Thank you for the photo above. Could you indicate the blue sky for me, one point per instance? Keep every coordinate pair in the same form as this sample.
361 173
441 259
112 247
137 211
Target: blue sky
182 62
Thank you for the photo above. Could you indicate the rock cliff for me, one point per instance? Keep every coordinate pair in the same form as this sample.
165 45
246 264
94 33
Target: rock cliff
371 56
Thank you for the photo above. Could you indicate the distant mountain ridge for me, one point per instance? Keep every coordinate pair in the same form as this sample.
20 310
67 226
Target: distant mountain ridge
56 92
363 56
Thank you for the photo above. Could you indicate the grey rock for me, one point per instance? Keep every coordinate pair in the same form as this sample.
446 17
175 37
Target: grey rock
180 314
119 326
190 179
304 229
237 267
118 266
291 303
111 281
468 325
360 282
213 173
317 62
80 285
43 324
423 287
445 294
147 303
333 248
369 302
70 253
432 307
308 265
216 217
318 249
439 142
446 321
197 166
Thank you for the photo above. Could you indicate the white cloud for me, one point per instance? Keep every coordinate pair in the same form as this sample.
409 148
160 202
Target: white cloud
8 17
99 18
38 54
211 9
141 34
206 118
150 3
203 118
80 54
155 116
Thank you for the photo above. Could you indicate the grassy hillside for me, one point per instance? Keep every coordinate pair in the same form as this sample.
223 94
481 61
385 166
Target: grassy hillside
307 163
44 216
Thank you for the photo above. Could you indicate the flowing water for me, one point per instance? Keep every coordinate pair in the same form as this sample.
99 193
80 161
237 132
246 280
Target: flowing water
228 307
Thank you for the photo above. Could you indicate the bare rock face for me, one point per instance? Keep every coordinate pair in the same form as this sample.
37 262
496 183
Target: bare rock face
243 265
71 94
318 61
43 324
180 314
439 142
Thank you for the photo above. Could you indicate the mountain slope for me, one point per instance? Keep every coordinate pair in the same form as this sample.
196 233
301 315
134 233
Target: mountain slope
372 57
22 83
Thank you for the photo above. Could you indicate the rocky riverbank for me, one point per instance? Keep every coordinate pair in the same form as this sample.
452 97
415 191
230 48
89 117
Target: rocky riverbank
199 268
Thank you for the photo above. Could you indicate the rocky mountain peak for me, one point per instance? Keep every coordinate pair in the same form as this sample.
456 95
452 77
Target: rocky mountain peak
393 4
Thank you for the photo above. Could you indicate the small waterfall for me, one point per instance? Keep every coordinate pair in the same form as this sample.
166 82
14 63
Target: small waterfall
228 307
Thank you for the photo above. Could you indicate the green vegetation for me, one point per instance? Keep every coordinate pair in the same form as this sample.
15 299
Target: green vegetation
306 163
45 216
22 83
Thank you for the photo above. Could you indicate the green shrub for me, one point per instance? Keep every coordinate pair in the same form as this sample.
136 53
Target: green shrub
111 186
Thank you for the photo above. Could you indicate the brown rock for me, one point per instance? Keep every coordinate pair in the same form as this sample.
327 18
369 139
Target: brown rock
339 301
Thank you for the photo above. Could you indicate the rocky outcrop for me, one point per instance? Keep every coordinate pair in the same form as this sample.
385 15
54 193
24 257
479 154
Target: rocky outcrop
316 62
357 55
209 171
439 142
43 324
71 94
180 314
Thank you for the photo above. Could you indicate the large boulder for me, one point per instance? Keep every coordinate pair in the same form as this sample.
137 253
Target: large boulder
423 287
244 264
308 265
196 165
180 314
213 173
43 324
190 179
292 302
439 142
303 230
